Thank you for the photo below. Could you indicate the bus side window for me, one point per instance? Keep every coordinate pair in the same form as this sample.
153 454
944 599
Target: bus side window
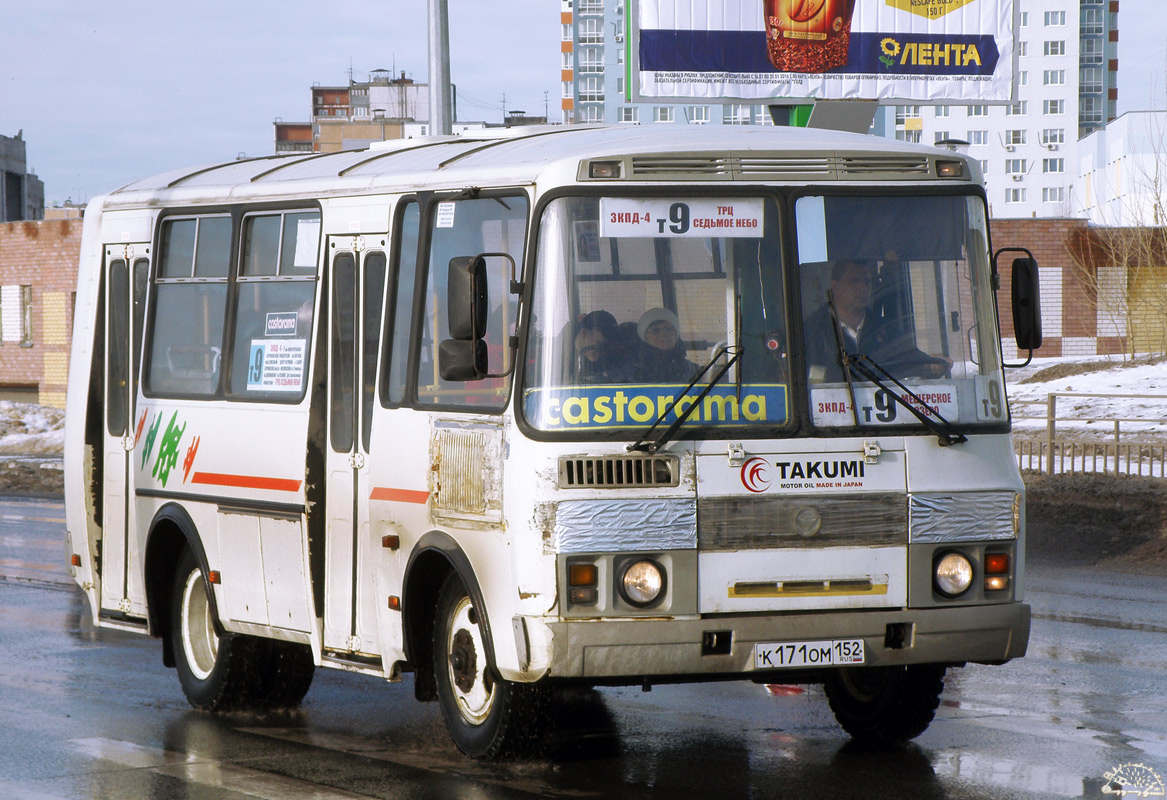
468 228
276 295
190 297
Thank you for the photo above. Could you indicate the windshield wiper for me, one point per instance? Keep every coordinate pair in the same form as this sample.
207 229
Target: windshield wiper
866 366
643 444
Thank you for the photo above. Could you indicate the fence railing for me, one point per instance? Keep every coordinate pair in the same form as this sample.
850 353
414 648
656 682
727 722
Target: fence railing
1091 442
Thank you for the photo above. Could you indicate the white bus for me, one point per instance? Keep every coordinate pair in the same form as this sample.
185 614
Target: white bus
517 410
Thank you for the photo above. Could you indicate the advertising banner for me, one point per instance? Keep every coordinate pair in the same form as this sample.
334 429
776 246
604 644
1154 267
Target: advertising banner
959 51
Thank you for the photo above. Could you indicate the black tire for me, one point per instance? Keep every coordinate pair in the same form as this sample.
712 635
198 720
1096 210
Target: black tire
488 718
217 670
885 705
284 673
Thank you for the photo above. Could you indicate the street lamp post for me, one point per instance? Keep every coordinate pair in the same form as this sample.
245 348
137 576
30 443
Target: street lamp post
441 122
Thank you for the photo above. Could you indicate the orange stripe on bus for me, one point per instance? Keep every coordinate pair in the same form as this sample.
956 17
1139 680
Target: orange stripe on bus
399 495
246 481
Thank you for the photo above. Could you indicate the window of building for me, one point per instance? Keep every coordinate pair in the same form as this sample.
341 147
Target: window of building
942 136
1055 18
737 114
1022 78
1018 109
663 114
1090 79
1055 48
568 89
1053 77
591 60
1053 165
978 111
978 137
984 166
1015 166
591 31
1090 110
591 90
1024 19
904 113
1015 136
1023 48
1092 22
1053 194
1053 136
591 114
629 114
1091 51
943 112
698 115
1054 107
908 136
1015 195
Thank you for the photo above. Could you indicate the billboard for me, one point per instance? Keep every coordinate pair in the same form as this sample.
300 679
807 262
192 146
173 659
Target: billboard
940 51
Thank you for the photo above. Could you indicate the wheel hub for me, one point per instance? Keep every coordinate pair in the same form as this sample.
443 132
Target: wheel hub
463 661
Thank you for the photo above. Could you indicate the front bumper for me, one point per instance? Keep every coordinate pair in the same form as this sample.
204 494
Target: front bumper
647 648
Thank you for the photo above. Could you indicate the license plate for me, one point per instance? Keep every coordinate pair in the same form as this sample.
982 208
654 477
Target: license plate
828 653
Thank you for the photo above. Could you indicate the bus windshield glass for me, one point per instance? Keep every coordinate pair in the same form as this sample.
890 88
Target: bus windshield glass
634 295
903 284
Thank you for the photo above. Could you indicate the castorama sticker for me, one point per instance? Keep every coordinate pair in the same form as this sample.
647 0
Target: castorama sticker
926 50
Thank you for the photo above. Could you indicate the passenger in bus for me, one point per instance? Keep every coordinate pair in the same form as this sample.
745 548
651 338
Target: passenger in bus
863 330
598 356
661 354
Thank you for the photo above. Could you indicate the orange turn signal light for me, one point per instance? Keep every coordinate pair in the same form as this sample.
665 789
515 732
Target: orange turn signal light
582 575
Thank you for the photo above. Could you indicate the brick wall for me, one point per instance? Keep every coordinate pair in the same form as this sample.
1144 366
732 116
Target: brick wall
1070 317
41 255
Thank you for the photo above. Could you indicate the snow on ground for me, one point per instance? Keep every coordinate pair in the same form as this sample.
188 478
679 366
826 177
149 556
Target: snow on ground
1105 389
27 429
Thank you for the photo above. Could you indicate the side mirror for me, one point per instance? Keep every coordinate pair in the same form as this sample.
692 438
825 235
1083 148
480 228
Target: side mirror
1026 304
462 360
463 357
466 297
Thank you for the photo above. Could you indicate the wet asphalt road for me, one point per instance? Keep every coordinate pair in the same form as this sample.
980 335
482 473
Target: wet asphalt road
94 714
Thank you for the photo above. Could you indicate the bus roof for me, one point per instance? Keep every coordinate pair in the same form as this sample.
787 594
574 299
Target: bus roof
517 156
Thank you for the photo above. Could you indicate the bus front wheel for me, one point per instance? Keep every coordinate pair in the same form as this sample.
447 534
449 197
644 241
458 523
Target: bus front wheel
884 705
216 668
488 718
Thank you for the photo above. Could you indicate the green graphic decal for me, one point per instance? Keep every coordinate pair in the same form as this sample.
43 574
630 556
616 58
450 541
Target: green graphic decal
151 434
168 450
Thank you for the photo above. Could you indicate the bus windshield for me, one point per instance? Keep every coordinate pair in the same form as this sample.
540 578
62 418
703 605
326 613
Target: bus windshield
903 283
636 294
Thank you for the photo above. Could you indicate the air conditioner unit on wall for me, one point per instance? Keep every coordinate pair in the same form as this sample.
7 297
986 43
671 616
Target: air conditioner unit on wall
1018 177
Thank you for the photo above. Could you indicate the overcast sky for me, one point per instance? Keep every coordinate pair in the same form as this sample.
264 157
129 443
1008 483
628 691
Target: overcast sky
107 91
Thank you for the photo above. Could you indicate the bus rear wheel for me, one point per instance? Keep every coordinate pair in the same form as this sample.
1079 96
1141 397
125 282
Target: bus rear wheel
885 705
488 718
217 669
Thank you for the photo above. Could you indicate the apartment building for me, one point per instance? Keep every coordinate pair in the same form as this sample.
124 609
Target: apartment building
1066 89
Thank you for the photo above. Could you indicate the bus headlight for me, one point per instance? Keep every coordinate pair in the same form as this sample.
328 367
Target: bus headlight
642 583
954 574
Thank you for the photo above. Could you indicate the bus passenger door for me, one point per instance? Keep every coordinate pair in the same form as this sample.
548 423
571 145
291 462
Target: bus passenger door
127 270
356 294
